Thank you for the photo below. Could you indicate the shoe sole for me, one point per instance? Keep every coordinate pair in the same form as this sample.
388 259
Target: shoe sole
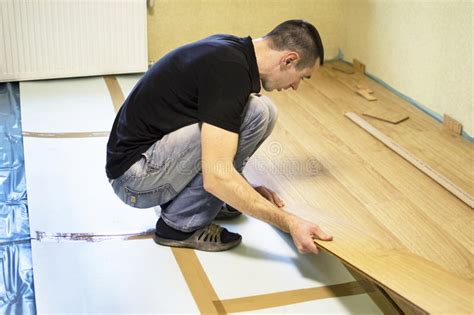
208 247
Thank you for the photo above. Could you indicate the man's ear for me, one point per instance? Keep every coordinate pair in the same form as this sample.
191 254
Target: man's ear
291 58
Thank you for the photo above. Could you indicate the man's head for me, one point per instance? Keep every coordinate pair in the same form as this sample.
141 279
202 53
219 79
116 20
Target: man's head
288 54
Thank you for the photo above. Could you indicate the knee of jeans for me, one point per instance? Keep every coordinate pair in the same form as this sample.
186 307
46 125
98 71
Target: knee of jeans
267 105
272 109
258 110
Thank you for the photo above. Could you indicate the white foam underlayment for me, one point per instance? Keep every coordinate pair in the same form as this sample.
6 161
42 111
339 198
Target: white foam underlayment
68 193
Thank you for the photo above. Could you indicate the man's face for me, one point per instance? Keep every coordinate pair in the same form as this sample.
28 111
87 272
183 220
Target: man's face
287 76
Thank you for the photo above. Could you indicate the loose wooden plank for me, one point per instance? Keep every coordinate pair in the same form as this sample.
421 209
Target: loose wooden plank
440 179
366 94
452 124
358 66
378 295
363 87
384 114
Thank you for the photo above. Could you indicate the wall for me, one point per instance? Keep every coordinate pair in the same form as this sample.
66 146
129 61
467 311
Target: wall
423 49
172 23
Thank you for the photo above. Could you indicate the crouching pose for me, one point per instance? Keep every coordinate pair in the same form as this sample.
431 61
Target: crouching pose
185 132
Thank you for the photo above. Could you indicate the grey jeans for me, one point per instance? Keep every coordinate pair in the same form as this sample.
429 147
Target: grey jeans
169 172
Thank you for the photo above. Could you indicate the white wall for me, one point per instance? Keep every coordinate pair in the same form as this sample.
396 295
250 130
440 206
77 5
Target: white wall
423 49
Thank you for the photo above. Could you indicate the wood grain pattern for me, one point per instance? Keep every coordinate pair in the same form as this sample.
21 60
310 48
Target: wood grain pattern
384 301
425 168
390 222
384 114
363 87
423 136
358 66
343 68
366 94
452 124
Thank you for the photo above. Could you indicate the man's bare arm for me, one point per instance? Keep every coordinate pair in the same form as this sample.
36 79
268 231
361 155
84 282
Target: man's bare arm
222 180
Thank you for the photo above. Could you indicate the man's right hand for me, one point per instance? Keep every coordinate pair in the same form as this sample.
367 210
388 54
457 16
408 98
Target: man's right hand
303 232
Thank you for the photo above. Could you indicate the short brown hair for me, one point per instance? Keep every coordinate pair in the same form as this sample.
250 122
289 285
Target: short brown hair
299 36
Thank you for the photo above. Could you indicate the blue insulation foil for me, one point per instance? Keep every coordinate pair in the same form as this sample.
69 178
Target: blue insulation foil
12 174
16 277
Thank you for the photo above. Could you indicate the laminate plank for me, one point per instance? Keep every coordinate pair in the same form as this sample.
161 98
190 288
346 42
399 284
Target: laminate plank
384 114
367 95
452 124
390 222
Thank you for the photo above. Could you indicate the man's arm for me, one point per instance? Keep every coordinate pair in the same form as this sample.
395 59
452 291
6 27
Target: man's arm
223 181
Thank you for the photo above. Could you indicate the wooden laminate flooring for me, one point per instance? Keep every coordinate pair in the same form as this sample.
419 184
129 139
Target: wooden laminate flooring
389 220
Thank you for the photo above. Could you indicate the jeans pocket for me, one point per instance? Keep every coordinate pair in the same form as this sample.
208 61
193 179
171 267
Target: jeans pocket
150 167
138 169
149 198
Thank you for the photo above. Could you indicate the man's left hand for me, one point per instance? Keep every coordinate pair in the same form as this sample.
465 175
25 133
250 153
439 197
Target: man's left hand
270 195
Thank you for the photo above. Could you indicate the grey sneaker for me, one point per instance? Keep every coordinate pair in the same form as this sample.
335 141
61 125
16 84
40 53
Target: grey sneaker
227 212
211 238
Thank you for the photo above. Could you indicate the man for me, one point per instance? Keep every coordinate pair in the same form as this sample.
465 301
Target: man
185 132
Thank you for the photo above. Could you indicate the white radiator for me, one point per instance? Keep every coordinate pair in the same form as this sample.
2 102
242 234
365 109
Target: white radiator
43 39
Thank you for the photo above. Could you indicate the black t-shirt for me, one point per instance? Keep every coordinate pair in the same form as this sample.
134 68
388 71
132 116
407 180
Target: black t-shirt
206 81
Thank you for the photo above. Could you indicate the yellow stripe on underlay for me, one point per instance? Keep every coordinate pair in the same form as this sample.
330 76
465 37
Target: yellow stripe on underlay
198 283
65 134
115 92
263 301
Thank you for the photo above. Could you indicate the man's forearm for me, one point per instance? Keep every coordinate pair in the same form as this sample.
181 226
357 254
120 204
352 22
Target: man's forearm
233 189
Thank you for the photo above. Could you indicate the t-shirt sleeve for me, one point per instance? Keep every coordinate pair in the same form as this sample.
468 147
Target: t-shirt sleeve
223 93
